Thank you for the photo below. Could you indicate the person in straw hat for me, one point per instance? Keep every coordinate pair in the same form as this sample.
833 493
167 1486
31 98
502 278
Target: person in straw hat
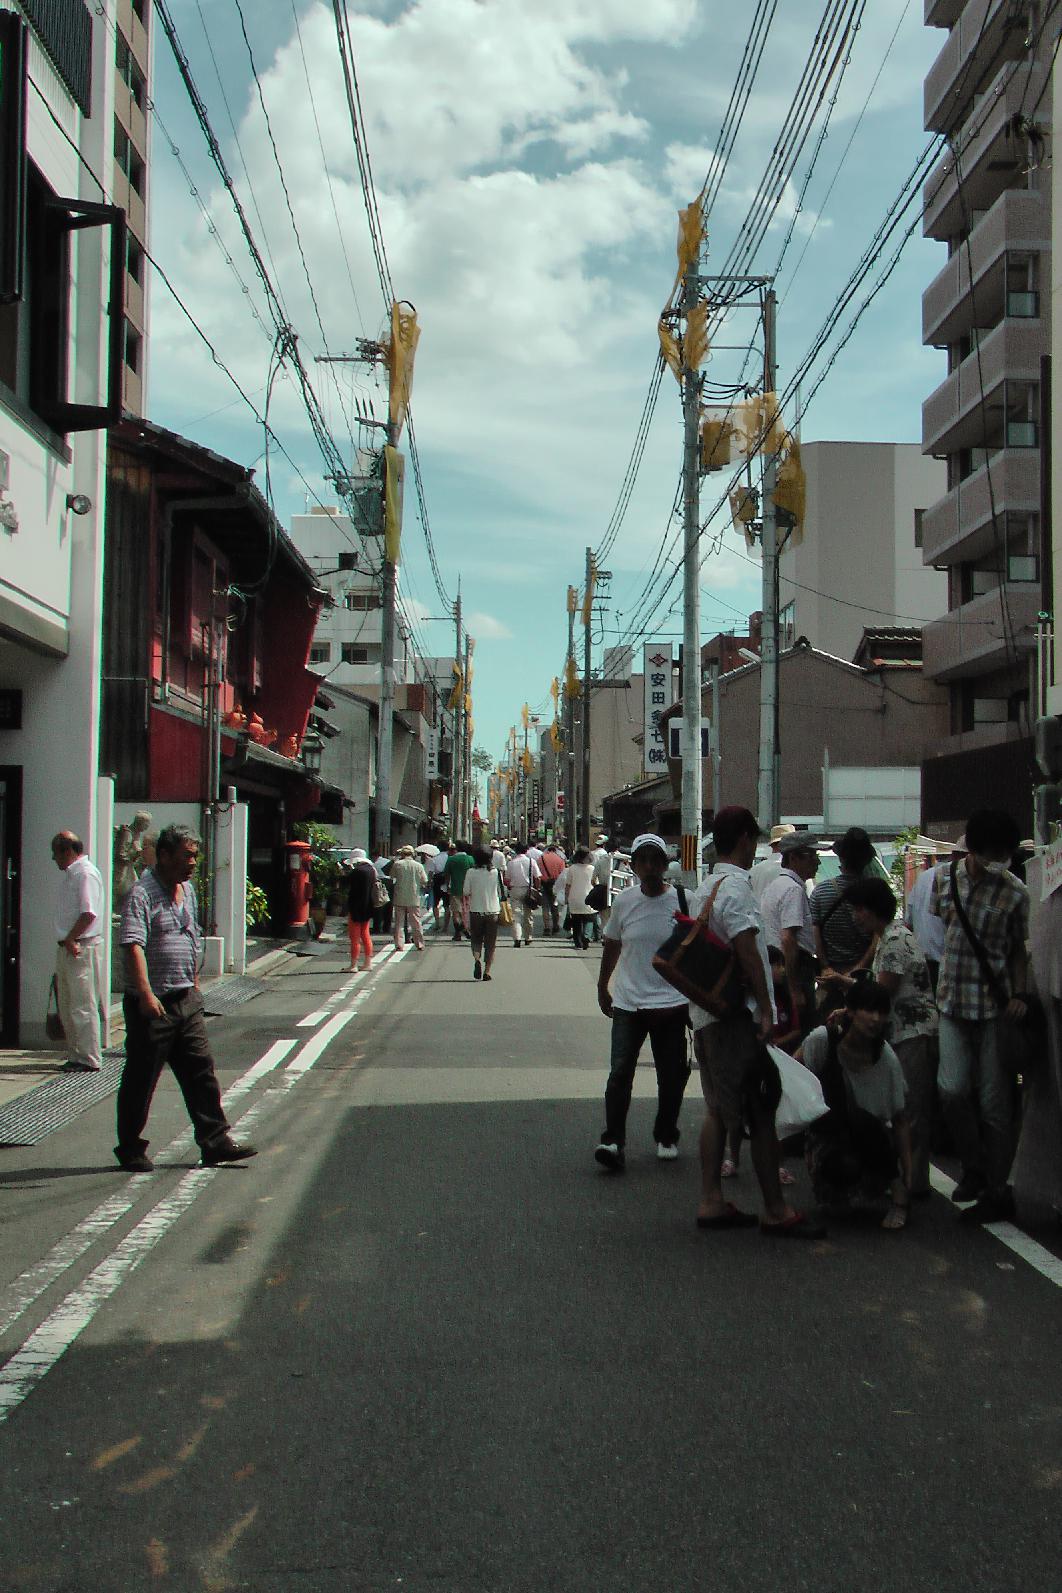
763 873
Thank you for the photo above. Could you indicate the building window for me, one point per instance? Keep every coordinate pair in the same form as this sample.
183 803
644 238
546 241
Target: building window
33 330
353 654
787 625
127 159
919 516
134 260
129 71
321 653
1022 568
362 600
990 710
132 346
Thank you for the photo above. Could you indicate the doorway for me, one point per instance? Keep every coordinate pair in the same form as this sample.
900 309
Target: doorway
10 890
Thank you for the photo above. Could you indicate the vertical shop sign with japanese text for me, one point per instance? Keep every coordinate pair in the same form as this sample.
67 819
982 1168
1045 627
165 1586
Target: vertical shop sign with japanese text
656 674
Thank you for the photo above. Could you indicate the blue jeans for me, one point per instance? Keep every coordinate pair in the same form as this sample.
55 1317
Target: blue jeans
973 1069
666 1031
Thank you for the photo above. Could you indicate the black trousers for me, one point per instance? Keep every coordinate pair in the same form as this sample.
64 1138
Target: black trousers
665 1028
178 1039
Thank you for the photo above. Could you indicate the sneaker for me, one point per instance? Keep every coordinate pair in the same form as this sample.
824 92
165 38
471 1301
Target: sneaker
610 1155
227 1150
990 1208
75 1065
968 1188
477 969
134 1161
667 1153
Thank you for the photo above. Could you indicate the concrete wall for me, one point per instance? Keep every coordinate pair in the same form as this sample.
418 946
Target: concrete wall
888 719
1054 690
858 564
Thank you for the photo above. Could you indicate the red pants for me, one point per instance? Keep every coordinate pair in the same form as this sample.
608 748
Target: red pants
359 936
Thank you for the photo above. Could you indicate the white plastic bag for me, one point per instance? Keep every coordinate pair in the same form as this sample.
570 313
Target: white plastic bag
802 1100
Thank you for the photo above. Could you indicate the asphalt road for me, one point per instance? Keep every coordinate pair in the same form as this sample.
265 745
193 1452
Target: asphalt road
423 1342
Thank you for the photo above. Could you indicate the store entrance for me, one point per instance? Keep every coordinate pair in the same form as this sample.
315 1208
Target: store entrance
10 870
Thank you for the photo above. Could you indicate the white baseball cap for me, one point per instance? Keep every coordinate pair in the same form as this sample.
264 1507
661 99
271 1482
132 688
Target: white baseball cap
648 840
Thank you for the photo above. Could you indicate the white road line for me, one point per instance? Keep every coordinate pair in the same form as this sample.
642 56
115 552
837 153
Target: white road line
44 1347
1039 1258
20 1294
312 1019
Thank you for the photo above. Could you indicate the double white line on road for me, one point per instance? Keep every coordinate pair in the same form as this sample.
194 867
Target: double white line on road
36 1357
312 1019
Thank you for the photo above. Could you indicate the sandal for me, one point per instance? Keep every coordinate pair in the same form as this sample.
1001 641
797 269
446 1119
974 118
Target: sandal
798 1226
895 1219
785 1177
728 1169
729 1217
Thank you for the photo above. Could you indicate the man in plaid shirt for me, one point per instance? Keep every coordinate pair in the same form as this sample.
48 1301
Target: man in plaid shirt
975 1008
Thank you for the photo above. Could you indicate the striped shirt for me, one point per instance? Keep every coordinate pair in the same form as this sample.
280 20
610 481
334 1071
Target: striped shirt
997 906
166 929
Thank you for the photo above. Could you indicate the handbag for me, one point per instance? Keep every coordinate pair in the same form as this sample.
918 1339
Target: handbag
701 966
1030 1030
53 1023
380 896
505 911
597 897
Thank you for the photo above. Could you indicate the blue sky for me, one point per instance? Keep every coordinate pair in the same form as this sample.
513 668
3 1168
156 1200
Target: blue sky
529 163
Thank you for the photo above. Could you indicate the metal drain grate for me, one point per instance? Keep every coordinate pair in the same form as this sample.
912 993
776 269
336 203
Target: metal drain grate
58 1101
229 993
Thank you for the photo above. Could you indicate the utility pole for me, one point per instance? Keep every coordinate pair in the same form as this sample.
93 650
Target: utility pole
569 727
716 754
524 831
588 617
768 799
381 821
459 752
692 782
466 758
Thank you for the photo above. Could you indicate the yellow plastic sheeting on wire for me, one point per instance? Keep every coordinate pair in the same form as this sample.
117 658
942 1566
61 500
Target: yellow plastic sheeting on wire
572 684
669 348
790 493
401 352
525 716
554 690
573 599
690 236
457 690
394 487
743 507
527 762
556 740
717 443
758 425
695 343
468 705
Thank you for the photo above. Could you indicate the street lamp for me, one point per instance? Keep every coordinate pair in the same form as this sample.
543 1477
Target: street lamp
312 752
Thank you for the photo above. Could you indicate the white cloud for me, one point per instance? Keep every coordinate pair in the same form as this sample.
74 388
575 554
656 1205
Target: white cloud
484 627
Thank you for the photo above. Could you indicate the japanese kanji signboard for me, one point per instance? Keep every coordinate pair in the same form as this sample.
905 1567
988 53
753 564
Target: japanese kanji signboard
656 673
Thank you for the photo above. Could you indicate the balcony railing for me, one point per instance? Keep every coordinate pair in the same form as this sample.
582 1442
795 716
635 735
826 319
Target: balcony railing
961 527
1019 222
64 28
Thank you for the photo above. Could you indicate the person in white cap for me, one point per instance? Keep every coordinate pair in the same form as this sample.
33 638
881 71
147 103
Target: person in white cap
770 868
642 1005
601 862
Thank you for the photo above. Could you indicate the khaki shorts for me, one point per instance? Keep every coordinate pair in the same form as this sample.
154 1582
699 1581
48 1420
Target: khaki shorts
730 1058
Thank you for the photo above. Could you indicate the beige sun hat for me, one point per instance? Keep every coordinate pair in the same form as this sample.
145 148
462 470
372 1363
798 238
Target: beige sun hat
779 832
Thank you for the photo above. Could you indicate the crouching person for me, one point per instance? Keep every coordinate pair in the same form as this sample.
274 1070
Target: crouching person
861 1150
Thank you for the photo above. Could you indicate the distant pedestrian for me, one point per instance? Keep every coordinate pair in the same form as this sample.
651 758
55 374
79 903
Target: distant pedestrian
578 882
440 889
458 864
739 1081
642 1005
787 921
551 868
927 927
770 867
483 895
410 879
80 979
361 883
382 916
900 968
601 863
861 1150
982 986
520 876
164 1022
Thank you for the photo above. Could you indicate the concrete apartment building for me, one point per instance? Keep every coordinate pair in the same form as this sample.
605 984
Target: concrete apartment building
866 503
989 201
132 45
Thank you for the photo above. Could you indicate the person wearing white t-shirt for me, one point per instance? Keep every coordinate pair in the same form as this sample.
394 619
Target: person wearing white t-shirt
642 1005
738 1079
79 968
787 921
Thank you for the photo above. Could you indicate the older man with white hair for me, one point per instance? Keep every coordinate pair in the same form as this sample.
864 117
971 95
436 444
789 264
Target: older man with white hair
79 968
770 868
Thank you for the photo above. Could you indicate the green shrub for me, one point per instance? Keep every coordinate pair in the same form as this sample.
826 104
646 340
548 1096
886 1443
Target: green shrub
257 907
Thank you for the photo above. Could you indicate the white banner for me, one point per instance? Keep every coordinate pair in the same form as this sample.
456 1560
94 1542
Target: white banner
657 681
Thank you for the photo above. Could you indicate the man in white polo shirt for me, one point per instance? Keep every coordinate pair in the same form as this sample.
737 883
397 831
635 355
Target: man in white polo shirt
79 961
787 921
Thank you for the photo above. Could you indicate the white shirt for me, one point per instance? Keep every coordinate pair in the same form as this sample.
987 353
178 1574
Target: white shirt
641 924
578 878
734 910
522 868
602 866
481 889
763 873
80 891
784 905
928 928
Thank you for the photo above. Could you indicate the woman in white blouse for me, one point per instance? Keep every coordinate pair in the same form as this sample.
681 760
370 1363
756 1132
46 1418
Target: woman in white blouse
579 877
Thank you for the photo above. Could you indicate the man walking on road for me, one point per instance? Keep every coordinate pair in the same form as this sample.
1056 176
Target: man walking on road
163 1008
457 866
787 921
410 878
79 972
738 1079
551 867
981 989
522 877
